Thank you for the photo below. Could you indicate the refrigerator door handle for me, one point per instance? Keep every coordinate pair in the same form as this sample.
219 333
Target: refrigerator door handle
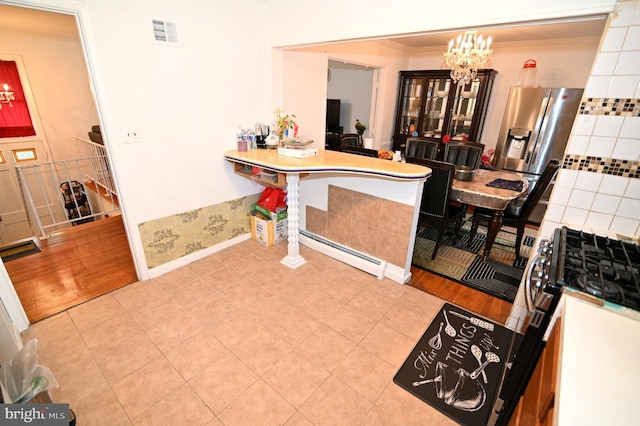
535 135
542 129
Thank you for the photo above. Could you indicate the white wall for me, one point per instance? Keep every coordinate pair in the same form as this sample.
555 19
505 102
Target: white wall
185 101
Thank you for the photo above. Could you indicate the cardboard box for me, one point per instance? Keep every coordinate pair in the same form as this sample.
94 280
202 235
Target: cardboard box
268 232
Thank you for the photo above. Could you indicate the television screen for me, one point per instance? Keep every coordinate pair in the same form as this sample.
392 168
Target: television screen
333 115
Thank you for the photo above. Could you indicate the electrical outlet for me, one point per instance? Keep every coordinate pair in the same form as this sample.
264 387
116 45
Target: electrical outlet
132 136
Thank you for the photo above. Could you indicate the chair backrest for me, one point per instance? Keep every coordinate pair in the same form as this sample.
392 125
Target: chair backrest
351 139
541 186
463 153
435 195
332 141
421 148
359 150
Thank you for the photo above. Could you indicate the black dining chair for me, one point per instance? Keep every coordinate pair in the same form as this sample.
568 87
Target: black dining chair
463 153
352 139
332 141
421 148
359 150
517 213
435 207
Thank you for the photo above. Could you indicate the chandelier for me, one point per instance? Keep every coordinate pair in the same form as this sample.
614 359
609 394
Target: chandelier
469 53
6 96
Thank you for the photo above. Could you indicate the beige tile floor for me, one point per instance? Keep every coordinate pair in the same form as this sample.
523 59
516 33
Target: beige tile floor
239 339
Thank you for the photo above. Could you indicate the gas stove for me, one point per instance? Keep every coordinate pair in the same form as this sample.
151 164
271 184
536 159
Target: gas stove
605 268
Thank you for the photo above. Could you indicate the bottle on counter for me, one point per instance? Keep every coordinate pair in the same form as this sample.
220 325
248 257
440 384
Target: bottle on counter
242 143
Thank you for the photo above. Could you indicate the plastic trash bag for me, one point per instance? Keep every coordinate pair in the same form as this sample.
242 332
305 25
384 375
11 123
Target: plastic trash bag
23 378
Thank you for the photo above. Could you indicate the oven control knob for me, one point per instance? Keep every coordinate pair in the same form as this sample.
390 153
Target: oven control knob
545 247
536 283
542 275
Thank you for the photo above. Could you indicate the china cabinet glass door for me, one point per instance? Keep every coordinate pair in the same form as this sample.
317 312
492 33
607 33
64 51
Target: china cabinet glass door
411 105
435 111
464 105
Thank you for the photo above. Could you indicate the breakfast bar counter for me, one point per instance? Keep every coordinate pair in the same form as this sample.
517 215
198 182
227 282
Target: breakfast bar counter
379 178
329 161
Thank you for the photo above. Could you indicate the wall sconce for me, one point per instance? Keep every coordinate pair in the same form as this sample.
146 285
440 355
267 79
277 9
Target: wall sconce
466 55
6 96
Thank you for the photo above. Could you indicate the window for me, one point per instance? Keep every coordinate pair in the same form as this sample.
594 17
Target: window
15 120
26 154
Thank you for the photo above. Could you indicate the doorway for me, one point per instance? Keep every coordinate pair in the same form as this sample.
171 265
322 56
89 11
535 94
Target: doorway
63 25
354 86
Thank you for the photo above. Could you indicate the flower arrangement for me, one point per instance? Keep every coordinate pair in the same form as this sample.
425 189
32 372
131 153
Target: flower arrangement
487 157
360 127
285 125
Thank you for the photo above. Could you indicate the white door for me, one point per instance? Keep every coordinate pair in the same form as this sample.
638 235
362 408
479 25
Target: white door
15 222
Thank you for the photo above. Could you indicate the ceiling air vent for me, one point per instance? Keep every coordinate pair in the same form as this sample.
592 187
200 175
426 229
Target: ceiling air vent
165 31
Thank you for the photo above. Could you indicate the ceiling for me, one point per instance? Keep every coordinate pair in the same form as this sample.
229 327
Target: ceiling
37 21
32 20
587 27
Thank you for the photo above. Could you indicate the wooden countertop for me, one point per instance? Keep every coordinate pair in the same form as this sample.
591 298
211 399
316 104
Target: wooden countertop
329 161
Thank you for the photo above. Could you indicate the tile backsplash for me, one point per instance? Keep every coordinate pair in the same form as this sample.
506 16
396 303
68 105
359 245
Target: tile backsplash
608 166
610 106
598 187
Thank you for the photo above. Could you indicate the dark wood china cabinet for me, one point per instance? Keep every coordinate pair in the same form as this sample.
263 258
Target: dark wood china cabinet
431 105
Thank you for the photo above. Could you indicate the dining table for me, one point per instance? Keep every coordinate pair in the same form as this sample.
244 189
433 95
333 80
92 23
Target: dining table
477 193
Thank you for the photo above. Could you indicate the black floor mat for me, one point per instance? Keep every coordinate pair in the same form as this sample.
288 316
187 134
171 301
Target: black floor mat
18 250
499 275
444 368
493 277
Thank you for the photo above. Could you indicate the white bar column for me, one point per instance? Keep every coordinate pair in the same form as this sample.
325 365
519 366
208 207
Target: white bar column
293 258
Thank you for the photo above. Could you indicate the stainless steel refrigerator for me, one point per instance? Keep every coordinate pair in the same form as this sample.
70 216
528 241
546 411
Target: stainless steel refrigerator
535 129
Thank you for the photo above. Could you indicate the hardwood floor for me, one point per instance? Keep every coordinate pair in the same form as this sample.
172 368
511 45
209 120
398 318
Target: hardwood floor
90 260
73 266
465 297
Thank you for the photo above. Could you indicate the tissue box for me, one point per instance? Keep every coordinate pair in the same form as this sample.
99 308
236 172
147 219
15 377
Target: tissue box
268 213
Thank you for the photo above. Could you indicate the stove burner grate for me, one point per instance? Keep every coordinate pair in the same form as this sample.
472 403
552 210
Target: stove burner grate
603 267
599 288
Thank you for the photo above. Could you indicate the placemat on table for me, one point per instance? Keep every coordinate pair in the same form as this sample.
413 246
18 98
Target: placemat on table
514 185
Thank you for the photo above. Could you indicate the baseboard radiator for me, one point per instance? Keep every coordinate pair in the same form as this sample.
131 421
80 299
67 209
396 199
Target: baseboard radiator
344 254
